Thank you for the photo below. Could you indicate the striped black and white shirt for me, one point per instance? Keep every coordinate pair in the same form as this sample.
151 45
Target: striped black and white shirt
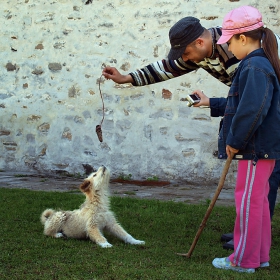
221 65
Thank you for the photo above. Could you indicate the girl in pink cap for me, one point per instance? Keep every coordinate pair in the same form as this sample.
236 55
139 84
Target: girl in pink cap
250 131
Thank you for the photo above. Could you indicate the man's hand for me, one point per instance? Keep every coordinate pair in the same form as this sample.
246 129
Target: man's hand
111 73
204 100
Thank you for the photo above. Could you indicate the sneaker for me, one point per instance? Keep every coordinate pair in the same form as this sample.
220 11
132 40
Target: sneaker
224 263
264 264
226 237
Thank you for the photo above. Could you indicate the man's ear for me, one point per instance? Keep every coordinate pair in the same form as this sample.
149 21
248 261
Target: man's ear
199 42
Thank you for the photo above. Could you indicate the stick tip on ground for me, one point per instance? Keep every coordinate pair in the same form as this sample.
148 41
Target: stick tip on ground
183 255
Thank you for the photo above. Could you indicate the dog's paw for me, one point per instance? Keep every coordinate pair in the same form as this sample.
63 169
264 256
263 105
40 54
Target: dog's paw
105 244
137 242
134 241
59 235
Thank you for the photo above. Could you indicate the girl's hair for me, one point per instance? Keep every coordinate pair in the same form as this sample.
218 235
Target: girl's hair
269 45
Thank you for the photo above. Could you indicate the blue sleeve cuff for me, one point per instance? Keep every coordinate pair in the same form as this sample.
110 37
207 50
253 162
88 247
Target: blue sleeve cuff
217 106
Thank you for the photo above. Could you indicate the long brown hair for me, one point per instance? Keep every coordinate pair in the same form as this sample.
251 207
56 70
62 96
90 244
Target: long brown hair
269 45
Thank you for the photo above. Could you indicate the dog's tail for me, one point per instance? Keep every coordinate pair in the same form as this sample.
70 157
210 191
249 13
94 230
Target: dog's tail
46 214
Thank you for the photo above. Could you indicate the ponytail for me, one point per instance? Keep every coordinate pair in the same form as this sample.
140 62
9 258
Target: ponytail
269 45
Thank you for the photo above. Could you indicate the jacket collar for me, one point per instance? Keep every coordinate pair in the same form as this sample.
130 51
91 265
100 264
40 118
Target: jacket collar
258 52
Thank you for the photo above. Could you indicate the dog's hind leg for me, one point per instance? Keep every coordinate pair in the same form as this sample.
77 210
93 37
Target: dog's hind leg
96 236
117 230
131 240
54 223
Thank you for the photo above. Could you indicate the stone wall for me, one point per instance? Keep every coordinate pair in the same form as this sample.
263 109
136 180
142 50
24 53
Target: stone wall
52 55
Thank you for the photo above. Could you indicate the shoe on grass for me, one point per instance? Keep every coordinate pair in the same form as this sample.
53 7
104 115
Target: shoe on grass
224 263
264 264
226 237
229 245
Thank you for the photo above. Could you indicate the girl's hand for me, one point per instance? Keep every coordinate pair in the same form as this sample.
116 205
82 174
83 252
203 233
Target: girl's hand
230 150
204 100
111 73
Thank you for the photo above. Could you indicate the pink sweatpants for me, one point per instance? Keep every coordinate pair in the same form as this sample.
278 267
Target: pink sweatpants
252 230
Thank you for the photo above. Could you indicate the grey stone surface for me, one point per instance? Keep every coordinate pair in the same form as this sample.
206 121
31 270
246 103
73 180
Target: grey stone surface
50 100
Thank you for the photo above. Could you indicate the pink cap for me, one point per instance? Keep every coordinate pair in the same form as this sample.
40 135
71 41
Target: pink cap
240 20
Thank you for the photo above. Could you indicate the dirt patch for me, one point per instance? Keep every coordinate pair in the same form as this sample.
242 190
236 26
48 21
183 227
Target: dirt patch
160 190
151 183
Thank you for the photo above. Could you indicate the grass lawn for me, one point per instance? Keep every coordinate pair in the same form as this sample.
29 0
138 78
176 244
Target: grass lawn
167 228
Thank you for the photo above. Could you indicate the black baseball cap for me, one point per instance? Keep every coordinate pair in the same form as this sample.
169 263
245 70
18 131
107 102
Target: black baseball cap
181 34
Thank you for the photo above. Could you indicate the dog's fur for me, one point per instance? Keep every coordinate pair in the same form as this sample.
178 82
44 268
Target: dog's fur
91 218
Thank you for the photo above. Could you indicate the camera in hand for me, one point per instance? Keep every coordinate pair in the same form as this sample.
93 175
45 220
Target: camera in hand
192 99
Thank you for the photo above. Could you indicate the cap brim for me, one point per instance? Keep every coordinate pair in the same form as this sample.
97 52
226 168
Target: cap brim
223 39
176 53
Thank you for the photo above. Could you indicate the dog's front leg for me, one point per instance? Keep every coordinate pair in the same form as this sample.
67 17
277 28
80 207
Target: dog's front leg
96 236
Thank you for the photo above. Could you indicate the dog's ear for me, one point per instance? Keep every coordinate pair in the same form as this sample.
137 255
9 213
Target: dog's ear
84 187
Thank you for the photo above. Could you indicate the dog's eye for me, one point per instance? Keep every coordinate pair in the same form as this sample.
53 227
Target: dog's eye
93 175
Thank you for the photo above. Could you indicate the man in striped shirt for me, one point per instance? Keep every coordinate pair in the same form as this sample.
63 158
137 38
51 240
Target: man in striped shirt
199 51
193 47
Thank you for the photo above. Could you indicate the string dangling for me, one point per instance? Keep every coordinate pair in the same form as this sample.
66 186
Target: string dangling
98 128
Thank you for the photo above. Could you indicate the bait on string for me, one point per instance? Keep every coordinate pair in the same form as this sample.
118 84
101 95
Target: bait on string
98 127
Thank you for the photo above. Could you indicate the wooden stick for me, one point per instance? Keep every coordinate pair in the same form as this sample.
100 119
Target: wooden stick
210 207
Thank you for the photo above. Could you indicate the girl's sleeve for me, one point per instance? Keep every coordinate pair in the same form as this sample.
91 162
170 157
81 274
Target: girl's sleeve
217 106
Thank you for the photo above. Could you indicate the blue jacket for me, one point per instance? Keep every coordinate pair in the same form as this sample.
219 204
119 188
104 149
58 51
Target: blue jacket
251 112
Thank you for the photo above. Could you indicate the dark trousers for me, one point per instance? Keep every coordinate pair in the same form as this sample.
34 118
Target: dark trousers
274 182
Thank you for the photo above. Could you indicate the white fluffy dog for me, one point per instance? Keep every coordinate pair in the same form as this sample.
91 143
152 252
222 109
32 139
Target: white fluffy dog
91 218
